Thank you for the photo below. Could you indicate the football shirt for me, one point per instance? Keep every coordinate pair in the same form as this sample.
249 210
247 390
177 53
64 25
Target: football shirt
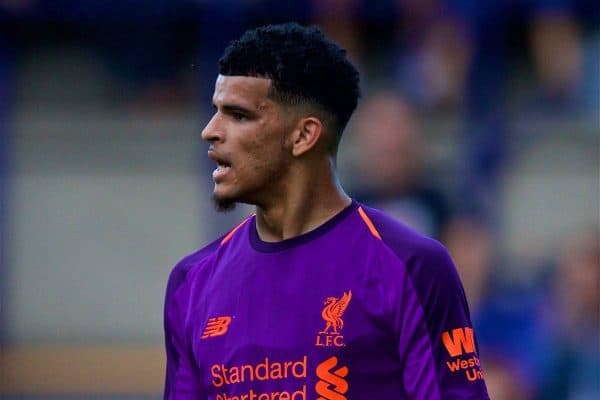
360 308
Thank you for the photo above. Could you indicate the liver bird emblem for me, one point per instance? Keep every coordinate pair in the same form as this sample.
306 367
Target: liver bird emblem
333 311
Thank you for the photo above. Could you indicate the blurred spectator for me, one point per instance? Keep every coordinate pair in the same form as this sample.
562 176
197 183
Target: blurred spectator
547 345
498 31
340 20
557 55
576 313
502 380
578 285
367 29
471 245
433 55
391 165
512 332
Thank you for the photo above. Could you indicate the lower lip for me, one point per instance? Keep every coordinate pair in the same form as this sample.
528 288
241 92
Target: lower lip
219 173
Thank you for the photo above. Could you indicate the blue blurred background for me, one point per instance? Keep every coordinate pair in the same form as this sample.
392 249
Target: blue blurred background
479 125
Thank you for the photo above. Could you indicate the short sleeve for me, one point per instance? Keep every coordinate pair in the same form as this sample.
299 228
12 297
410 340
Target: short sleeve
181 381
436 341
180 371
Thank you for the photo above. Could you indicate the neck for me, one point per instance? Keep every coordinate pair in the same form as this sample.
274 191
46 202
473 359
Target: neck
308 199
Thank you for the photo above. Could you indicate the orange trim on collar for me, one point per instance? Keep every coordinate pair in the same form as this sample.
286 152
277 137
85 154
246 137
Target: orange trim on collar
232 232
369 223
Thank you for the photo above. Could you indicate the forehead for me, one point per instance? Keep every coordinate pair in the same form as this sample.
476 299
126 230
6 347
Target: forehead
246 91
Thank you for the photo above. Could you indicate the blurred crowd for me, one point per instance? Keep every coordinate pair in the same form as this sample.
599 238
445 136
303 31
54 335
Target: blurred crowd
539 337
484 62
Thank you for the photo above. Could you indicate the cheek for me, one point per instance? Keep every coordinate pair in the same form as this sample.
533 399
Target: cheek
251 163
265 154
267 162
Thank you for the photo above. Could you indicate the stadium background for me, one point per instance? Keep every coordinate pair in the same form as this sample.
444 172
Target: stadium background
478 125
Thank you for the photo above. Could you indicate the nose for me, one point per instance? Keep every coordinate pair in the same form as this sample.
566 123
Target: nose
211 132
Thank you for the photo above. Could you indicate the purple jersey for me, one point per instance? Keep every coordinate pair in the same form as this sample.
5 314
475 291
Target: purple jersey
360 308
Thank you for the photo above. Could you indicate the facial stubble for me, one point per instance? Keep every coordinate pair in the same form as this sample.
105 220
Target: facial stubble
223 205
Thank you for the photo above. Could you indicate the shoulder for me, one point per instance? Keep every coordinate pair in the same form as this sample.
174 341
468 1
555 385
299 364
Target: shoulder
181 270
404 242
431 318
427 262
196 261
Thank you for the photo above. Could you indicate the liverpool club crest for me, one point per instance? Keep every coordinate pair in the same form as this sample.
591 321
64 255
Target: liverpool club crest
332 315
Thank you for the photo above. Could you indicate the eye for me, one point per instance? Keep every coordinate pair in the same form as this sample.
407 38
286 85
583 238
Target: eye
239 116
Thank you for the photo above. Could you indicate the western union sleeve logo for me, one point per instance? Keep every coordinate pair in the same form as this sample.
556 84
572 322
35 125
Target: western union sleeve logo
459 342
461 339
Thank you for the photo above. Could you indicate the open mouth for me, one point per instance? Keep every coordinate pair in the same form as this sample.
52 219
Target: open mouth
223 166
220 172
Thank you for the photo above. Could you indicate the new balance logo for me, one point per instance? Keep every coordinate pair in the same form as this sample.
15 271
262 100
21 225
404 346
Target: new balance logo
461 341
216 326
332 385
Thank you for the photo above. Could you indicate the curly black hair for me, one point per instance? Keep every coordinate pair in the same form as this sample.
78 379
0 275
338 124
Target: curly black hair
304 66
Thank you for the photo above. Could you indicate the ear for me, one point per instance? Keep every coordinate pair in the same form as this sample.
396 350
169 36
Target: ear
306 135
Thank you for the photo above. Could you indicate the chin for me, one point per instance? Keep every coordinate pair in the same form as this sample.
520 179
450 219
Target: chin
223 204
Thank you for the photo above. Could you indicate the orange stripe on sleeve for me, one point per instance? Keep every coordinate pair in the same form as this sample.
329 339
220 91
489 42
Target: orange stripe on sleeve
232 232
369 223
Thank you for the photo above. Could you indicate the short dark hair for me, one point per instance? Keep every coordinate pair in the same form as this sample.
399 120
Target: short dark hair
304 66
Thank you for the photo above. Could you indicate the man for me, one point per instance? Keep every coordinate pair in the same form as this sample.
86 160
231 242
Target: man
315 296
387 130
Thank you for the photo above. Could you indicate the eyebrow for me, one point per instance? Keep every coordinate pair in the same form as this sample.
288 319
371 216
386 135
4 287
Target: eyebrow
234 108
